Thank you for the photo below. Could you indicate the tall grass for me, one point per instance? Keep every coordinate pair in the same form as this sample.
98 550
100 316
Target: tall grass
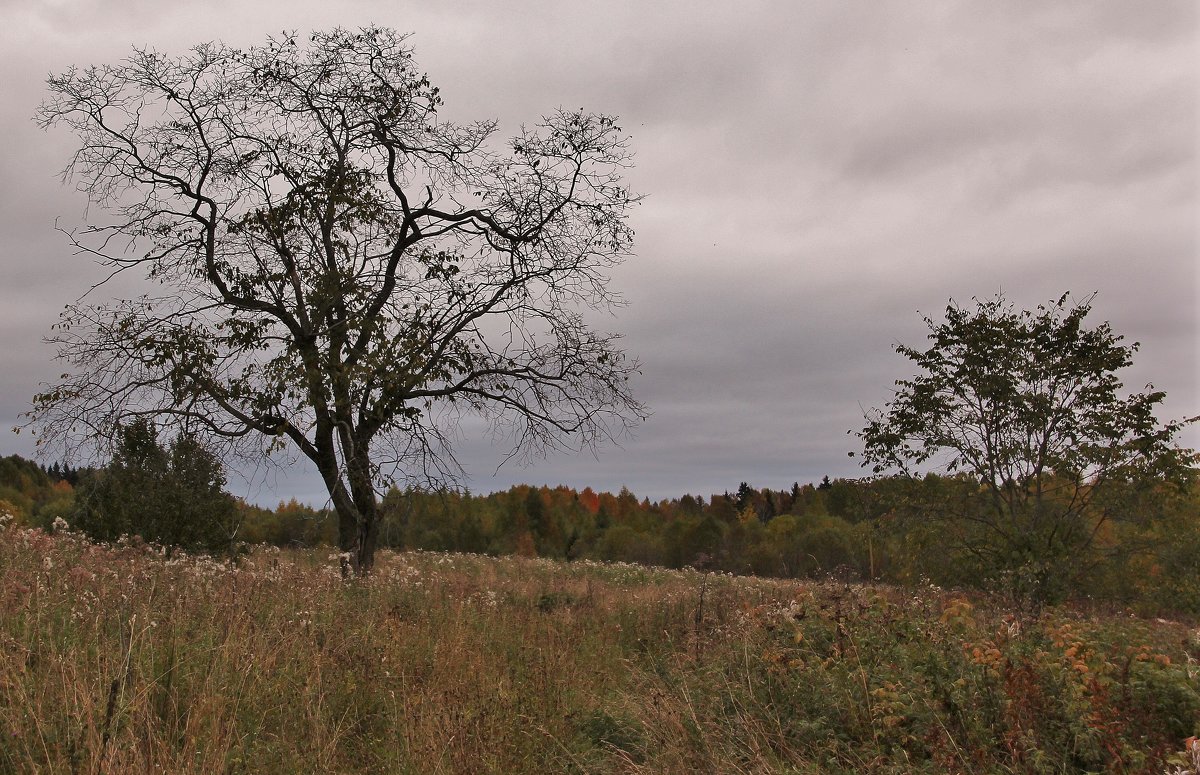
121 659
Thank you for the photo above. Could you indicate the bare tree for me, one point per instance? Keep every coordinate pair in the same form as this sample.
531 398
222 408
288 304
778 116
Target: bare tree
345 271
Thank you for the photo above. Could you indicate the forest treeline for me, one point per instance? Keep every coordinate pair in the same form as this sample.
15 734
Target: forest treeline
1146 551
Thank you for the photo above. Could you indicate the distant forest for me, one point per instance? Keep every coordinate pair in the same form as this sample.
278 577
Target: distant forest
1146 555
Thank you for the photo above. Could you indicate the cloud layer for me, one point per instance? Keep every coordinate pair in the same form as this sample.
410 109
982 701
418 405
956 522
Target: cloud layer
816 174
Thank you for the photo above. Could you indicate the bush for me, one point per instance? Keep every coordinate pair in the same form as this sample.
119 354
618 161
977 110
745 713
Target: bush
170 496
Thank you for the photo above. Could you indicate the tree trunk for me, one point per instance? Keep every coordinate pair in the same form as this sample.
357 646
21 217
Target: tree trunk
356 509
368 538
358 536
347 535
361 535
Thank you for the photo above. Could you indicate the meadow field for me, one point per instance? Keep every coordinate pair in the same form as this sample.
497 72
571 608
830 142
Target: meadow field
125 659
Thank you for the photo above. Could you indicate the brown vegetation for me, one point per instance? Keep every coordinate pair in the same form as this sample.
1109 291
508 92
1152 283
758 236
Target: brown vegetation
118 659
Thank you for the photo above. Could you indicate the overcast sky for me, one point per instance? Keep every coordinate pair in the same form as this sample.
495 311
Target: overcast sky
817 175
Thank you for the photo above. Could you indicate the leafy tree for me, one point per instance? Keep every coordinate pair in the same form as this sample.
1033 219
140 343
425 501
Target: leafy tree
807 498
171 496
535 511
603 520
589 500
723 509
1029 405
769 509
745 496
347 273
690 505
290 523
693 542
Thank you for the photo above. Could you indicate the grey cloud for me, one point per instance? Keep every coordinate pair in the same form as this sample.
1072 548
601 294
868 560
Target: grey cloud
816 175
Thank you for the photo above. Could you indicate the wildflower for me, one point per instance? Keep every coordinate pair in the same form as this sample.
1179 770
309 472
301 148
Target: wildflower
47 563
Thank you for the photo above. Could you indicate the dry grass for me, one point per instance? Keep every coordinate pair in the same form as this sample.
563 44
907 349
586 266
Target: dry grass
123 660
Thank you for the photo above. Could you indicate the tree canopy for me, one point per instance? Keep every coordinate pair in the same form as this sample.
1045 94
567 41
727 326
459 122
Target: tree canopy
1028 407
344 272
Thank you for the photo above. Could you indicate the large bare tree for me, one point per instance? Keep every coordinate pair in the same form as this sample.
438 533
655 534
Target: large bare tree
343 270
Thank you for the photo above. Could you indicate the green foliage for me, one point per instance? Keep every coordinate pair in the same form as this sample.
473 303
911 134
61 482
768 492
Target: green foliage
893 530
34 494
288 524
1028 406
693 542
890 532
171 496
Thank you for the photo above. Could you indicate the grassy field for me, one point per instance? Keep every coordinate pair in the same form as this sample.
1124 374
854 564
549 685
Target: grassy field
122 660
